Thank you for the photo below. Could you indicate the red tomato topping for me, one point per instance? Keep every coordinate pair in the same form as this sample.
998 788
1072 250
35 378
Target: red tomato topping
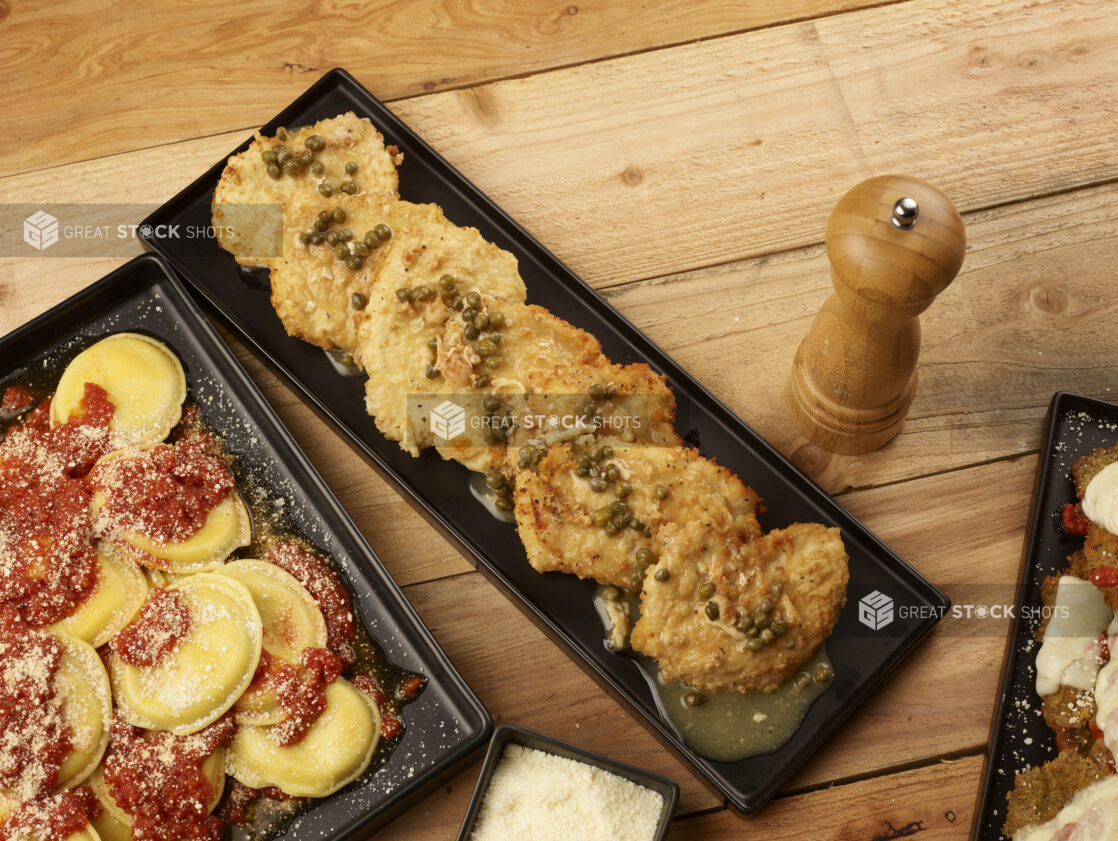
1104 577
322 583
1073 519
302 692
153 634
390 724
51 818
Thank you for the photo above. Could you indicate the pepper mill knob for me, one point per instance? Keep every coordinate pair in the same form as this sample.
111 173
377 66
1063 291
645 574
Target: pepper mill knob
894 243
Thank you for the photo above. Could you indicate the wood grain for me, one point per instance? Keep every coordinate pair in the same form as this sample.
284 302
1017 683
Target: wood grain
615 141
269 52
1029 315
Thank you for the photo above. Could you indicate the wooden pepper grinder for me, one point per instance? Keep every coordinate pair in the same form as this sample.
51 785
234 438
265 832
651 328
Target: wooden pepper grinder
894 243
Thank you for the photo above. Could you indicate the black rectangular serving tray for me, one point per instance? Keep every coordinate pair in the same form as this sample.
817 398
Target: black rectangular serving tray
561 605
507 734
1075 426
446 723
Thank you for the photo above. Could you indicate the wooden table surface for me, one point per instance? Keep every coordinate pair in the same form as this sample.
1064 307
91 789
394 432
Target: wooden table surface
683 157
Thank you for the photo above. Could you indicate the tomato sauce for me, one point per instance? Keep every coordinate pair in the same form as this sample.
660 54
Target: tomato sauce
162 622
332 598
157 777
166 492
52 818
16 400
45 529
301 691
390 724
32 717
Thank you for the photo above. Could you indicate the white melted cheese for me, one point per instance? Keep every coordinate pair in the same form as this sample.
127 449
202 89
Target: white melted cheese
1070 653
1100 500
1092 815
1106 694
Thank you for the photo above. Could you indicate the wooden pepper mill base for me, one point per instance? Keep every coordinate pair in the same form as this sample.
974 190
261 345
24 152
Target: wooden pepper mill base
894 243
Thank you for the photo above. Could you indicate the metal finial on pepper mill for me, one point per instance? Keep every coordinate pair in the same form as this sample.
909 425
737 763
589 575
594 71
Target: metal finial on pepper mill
894 243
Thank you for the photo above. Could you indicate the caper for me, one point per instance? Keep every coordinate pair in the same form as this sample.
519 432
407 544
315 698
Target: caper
305 237
318 167
622 490
274 170
767 635
607 451
584 461
321 225
802 681
316 143
426 293
761 620
350 167
595 471
326 189
370 239
706 591
618 507
612 473
646 557
694 699
341 250
473 299
338 214
779 627
281 133
481 321
383 232
345 235
597 392
403 294
496 320
754 644
503 503
282 154
432 372
446 283
324 216
597 454
268 156
317 238
637 525
360 249
482 381
306 157
662 574
486 348
744 623
611 391
611 593
495 480
823 673
752 631
359 300
597 484
582 472
766 605
712 611
354 262
468 315
647 532
492 404
621 521
348 187
493 362
600 516
332 238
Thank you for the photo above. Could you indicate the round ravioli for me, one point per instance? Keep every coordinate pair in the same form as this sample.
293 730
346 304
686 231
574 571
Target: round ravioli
120 591
84 686
207 670
292 622
227 528
115 824
144 381
335 751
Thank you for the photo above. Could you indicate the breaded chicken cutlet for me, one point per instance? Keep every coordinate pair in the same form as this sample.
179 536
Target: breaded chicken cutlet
1097 561
596 511
1042 791
721 613
338 156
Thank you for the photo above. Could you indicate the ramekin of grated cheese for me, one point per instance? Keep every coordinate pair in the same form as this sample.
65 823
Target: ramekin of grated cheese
536 788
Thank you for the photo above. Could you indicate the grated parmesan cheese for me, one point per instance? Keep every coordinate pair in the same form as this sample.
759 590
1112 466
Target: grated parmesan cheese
537 796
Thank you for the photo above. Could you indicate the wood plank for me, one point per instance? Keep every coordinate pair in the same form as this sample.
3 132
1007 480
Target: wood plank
746 152
1030 314
934 803
268 54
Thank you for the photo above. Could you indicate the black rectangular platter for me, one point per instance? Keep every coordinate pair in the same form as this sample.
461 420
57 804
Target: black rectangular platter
446 723
561 605
1075 426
